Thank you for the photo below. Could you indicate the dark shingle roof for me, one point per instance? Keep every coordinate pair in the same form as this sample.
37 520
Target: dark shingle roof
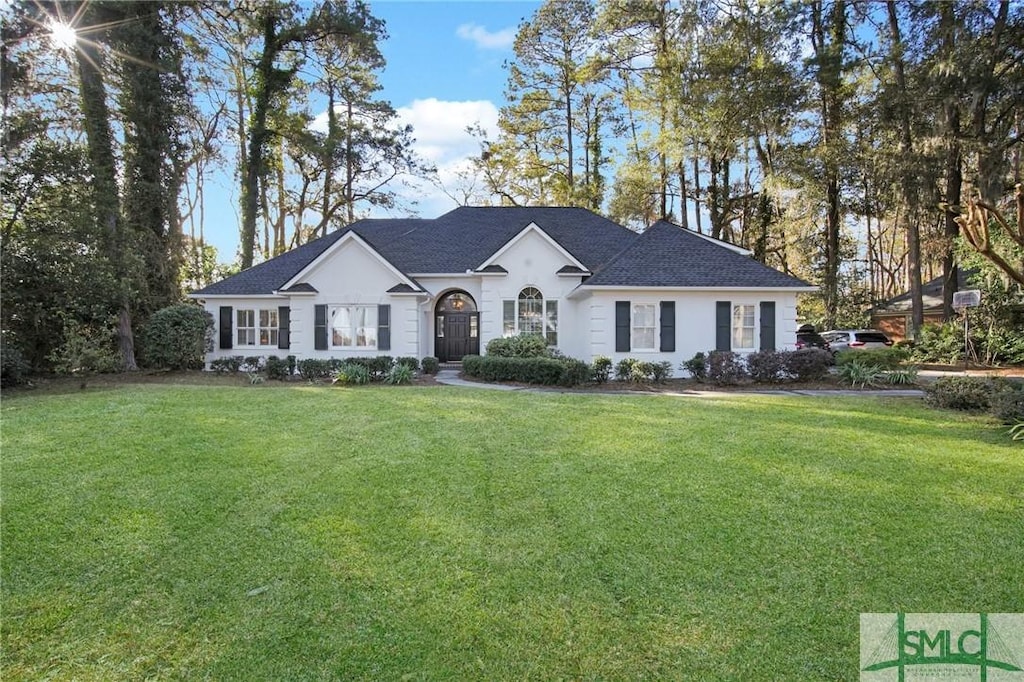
462 239
931 295
667 255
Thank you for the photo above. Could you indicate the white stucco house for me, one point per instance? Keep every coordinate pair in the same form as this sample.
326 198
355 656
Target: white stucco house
444 287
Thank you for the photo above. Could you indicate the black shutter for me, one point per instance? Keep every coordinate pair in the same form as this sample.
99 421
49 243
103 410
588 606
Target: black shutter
767 325
723 325
284 327
668 326
225 326
320 327
622 326
384 327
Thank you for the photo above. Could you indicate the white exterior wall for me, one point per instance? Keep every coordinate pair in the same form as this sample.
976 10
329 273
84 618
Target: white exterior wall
695 322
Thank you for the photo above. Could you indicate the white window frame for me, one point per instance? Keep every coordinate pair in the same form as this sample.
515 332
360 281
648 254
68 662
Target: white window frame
736 327
549 312
634 343
264 325
370 322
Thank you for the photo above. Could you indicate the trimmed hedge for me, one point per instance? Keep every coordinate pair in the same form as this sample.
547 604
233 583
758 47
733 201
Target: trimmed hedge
176 337
521 346
543 371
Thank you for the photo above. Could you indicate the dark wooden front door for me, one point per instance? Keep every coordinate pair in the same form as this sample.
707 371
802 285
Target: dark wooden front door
457 334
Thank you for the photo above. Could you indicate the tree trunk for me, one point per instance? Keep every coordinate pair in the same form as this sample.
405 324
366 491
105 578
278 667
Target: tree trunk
908 182
99 141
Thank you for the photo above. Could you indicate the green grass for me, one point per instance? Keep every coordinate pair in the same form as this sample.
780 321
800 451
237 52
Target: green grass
289 533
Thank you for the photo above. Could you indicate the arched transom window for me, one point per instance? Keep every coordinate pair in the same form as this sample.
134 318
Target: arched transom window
531 313
457 302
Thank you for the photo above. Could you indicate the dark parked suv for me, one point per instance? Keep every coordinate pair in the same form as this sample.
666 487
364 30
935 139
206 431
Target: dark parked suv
806 337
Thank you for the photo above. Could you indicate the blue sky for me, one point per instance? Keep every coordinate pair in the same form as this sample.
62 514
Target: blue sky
444 72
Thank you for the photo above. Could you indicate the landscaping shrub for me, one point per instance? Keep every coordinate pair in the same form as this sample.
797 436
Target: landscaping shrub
939 343
658 372
86 349
13 366
860 374
1007 403
354 373
574 372
400 373
312 369
228 365
626 369
959 393
412 363
903 376
697 366
252 363
430 365
882 358
601 370
291 365
520 346
544 371
277 368
176 337
380 366
808 364
725 368
768 366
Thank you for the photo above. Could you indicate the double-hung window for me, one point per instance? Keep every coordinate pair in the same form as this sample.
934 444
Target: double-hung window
256 327
531 313
645 329
354 326
742 327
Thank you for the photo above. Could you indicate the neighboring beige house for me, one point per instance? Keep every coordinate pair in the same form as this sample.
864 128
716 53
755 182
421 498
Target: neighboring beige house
444 287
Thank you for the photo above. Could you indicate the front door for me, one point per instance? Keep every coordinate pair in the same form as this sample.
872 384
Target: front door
457 334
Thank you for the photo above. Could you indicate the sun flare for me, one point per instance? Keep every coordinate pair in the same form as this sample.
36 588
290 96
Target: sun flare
63 35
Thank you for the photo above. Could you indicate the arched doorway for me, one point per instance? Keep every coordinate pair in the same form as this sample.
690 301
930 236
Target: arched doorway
456 327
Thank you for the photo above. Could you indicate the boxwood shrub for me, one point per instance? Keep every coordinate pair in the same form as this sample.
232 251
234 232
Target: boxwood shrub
543 371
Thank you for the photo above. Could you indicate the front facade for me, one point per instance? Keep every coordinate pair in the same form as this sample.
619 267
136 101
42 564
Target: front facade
445 287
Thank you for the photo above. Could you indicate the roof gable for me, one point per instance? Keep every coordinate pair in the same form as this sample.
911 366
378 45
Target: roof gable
532 228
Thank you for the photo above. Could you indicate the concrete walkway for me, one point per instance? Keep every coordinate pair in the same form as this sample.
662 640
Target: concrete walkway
450 377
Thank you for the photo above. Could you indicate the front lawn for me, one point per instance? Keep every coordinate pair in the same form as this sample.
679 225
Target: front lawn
425 533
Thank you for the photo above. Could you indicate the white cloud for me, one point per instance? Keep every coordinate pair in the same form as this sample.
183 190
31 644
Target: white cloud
440 127
487 40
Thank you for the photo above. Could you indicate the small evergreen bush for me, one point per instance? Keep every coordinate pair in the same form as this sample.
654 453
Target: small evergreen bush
277 368
627 369
959 393
412 363
13 367
768 366
601 370
86 349
430 365
808 364
176 337
725 368
1007 403
252 363
228 365
574 372
313 369
521 346
697 366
